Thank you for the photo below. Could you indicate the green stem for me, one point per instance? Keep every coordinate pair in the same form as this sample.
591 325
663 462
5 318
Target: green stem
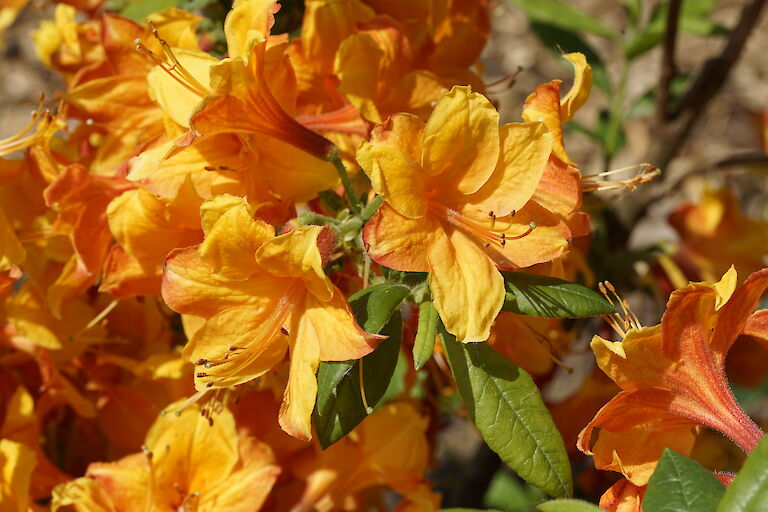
371 208
312 218
335 158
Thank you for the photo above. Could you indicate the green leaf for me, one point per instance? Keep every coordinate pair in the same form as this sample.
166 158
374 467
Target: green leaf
373 306
749 490
506 406
424 343
568 506
339 407
680 484
564 16
537 295
561 41
138 10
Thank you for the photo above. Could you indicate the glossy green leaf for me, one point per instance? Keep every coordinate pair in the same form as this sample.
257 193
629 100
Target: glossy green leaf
339 407
561 41
424 343
538 295
680 484
506 406
568 506
749 490
373 306
562 15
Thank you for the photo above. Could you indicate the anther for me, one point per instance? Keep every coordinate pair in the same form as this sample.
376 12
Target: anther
209 384
201 362
200 375
208 365
284 331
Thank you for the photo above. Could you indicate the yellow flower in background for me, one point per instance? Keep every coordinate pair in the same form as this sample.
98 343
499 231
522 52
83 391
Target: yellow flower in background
247 297
457 190
189 463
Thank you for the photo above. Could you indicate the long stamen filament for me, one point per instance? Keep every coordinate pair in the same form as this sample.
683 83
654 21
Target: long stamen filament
592 182
487 236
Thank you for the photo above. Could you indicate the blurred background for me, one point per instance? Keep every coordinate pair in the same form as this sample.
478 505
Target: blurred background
680 85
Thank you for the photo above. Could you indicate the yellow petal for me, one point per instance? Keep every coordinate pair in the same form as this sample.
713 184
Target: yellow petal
249 485
83 495
232 236
725 287
177 101
582 86
301 391
467 290
191 452
525 149
326 24
177 27
141 223
248 20
337 332
400 242
357 67
11 250
290 173
16 465
461 141
127 479
190 285
391 161
634 363
296 254
256 334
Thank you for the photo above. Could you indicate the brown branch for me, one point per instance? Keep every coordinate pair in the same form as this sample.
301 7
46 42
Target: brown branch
709 82
668 68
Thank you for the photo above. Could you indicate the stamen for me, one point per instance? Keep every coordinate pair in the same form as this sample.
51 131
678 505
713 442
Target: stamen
98 318
40 122
486 236
175 71
220 168
593 183
506 81
621 321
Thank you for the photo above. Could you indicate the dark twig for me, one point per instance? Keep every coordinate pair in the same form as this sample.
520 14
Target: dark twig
707 85
668 68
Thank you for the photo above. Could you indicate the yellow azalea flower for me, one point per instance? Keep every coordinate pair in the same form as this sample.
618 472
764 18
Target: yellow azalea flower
257 296
188 464
389 449
16 465
715 234
457 193
673 379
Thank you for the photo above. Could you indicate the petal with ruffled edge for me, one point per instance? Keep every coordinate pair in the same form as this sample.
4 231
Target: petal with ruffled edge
296 254
180 101
391 161
636 362
467 290
582 86
525 149
190 285
248 21
232 236
460 147
630 433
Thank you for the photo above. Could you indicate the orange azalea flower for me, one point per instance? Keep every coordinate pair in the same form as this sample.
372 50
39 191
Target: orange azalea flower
457 191
188 464
715 234
623 496
672 379
247 297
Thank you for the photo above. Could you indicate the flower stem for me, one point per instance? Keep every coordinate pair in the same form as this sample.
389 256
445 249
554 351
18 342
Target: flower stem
335 158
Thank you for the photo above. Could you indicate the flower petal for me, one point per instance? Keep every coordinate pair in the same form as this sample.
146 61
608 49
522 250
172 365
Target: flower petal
582 86
400 242
391 161
525 149
467 290
301 391
636 362
296 254
461 141
735 314
339 336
